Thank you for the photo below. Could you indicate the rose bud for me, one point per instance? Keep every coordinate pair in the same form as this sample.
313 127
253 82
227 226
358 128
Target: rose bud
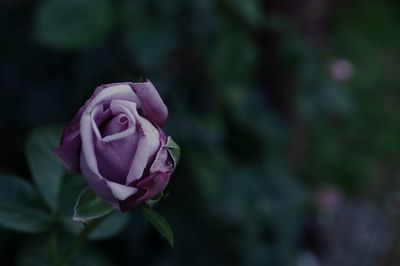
116 141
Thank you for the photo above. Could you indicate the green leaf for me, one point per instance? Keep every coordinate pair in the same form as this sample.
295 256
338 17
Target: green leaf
46 169
150 36
87 256
20 209
174 150
89 207
153 201
249 11
109 228
72 187
159 223
70 24
35 253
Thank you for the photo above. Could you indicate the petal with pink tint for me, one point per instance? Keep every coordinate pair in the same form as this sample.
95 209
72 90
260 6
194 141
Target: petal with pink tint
146 188
153 107
70 143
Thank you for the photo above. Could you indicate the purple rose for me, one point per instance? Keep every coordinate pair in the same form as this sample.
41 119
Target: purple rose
116 141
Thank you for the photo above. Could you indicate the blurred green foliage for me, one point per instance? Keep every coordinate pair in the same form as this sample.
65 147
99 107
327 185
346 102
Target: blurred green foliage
262 119
45 208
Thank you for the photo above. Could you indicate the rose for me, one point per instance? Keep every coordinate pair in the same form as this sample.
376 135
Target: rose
116 141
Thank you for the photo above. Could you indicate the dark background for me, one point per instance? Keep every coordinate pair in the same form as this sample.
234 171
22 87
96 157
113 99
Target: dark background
287 114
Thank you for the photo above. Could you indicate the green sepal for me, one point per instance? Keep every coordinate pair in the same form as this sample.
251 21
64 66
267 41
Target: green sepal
173 150
89 207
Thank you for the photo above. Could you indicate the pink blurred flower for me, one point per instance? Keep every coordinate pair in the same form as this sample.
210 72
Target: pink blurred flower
341 69
328 198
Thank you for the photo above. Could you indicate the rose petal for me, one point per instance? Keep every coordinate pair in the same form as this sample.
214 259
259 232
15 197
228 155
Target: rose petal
93 139
109 191
162 163
114 152
147 188
117 92
106 189
121 192
88 154
152 185
147 147
114 158
97 183
118 107
153 107
117 124
70 143
147 144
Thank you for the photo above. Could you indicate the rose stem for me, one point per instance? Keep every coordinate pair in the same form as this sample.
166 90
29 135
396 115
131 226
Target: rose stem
75 242
53 246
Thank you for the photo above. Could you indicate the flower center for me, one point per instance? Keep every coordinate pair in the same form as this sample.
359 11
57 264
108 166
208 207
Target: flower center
113 125
123 119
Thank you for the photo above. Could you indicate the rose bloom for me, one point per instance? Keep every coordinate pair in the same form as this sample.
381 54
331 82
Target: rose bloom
116 141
